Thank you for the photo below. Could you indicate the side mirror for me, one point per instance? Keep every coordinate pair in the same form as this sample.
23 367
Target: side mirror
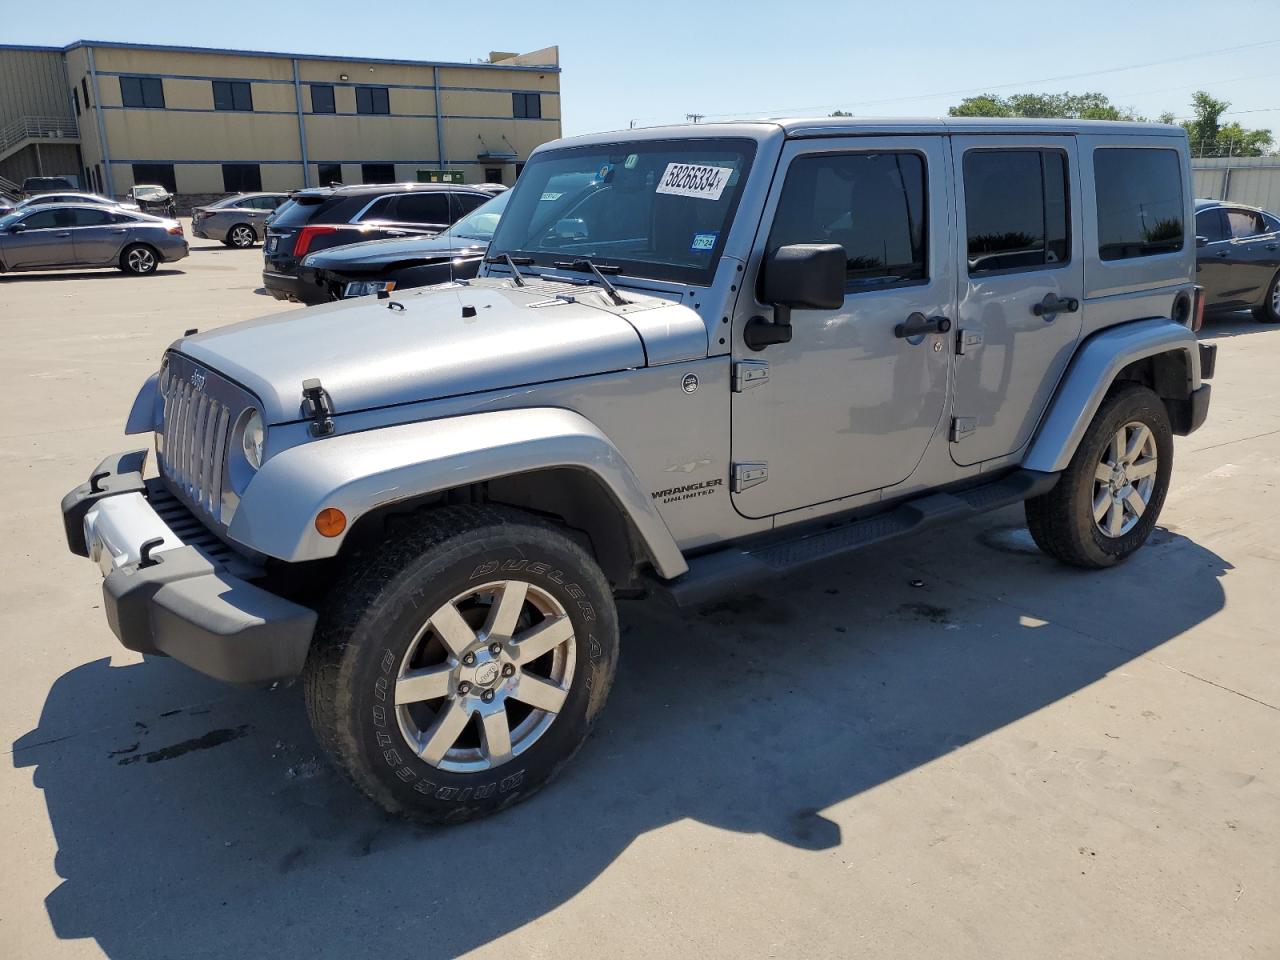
18 228
1202 241
803 276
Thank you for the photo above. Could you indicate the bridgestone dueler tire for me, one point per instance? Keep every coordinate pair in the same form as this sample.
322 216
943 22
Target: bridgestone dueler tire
375 611
1061 521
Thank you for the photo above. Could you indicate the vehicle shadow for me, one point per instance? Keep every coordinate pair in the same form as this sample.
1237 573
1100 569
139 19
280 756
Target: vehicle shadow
98 274
753 715
1234 325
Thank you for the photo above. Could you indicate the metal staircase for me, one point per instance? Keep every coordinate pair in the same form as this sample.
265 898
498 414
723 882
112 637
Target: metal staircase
16 135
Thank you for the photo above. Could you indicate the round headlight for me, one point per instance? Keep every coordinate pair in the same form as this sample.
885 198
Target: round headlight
251 439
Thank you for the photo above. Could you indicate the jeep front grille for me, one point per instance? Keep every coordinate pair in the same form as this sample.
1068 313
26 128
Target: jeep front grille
200 413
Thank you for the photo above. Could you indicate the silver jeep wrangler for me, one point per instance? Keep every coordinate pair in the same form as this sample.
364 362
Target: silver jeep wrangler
697 357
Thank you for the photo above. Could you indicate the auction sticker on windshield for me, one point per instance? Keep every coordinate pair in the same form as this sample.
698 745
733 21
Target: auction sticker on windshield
692 180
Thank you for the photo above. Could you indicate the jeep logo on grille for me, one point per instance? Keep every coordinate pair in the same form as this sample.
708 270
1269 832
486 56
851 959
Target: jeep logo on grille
197 379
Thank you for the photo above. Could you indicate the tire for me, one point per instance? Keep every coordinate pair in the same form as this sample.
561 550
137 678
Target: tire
1268 311
241 236
139 259
396 628
1062 521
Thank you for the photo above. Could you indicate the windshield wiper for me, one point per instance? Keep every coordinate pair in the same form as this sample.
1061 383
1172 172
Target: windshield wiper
584 264
511 262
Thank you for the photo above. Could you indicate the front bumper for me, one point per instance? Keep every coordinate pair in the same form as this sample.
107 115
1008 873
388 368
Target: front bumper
165 595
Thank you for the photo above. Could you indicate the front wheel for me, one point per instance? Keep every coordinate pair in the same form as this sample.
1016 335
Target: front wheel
461 664
1269 310
139 259
1107 501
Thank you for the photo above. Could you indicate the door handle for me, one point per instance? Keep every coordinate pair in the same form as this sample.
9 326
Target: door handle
1222 253
917 325
65 234
121 230
1273 246
1052 305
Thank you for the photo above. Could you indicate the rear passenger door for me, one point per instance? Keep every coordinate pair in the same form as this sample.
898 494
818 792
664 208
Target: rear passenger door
1021 280
426 211
1255 251
99 235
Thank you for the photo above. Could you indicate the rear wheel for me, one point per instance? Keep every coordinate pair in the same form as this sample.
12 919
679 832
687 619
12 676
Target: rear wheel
461 664
138 258
242 236
1269 310
1107 501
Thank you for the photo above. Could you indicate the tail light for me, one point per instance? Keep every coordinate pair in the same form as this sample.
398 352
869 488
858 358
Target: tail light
306 235
1198 313
176 230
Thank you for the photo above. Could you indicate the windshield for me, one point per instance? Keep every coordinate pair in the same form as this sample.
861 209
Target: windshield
13 217
148 191
480 223
659 208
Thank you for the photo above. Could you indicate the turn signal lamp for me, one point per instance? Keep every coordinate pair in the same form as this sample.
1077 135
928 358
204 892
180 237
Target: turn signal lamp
330 522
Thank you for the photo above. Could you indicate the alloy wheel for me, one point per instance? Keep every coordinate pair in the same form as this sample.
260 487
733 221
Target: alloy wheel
1124 479
242 237
485 676
141 260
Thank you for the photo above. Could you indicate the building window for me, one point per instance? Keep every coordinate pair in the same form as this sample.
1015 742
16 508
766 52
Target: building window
159 174
241 177
1016 214
322 98
75 98
372 100
519 170
232 95
527 106
378 172
492 174
329 173
1139 197
84 88
97 178
142 92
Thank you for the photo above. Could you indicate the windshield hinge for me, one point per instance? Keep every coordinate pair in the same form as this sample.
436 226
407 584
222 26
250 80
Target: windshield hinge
317 407
966 340
962 427
747 475
749 373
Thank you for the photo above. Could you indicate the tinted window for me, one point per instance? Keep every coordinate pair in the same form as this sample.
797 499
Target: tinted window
380 209
45 219
232 95
1016 211
322 99
872 204
372 100
1140 205
1244 223
329 173
75 99
464 203
1211 225
422 208
160 173
142 92
378 172
238 177
527 106
90 218
303 211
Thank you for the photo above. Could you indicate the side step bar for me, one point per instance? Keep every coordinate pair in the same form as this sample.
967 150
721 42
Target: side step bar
716 574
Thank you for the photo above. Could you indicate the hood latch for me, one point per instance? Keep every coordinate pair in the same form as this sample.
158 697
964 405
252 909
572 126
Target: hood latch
317 406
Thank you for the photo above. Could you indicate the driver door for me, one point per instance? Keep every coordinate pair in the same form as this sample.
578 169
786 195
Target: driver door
45 241
850 404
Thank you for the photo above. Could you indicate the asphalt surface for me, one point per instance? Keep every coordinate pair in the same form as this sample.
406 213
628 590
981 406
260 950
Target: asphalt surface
946 747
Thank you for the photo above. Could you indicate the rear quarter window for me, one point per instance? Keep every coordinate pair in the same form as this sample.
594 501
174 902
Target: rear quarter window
1139 199
304 210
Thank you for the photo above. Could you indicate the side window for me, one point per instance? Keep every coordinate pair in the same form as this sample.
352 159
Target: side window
378 210
90 218
1139 193
1244 223
872 204
422 208
1210 225
1017 215
464 203
43 220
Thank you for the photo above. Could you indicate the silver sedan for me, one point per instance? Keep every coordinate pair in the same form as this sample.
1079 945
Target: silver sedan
88 235
238 221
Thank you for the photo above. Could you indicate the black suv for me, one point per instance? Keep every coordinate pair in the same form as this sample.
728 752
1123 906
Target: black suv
330 216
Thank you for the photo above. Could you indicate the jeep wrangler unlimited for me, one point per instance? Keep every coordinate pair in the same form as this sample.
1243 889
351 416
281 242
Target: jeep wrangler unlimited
722 353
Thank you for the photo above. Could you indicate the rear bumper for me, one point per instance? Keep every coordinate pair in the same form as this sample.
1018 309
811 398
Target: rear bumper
162 595
282 286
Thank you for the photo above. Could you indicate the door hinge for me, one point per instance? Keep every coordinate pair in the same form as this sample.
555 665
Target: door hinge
961 427
966 340
749 373
746 475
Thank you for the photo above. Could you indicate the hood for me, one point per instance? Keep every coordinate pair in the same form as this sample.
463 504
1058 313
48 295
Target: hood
380 253
368 353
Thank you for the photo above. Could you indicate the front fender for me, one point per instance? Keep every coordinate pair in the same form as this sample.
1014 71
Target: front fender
148 407
1090 374
359 472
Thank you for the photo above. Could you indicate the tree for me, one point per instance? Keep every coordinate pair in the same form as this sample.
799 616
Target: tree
1210 138
839 113
1068 106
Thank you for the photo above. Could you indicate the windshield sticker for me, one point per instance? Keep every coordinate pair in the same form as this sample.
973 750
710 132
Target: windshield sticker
691 180
551 196
703 241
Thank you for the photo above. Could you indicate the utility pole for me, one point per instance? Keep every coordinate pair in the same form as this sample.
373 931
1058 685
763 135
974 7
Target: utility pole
694 117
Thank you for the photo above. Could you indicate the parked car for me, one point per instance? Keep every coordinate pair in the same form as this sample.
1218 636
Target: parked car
87 235
32 186
238 221
6 205
41 199
1238 258
153 199
398 263
323 217
742 350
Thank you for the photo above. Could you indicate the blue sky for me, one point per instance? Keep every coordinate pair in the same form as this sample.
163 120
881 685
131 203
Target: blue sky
655 62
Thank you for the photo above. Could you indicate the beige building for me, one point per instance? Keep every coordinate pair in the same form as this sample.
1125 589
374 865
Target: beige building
203 121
